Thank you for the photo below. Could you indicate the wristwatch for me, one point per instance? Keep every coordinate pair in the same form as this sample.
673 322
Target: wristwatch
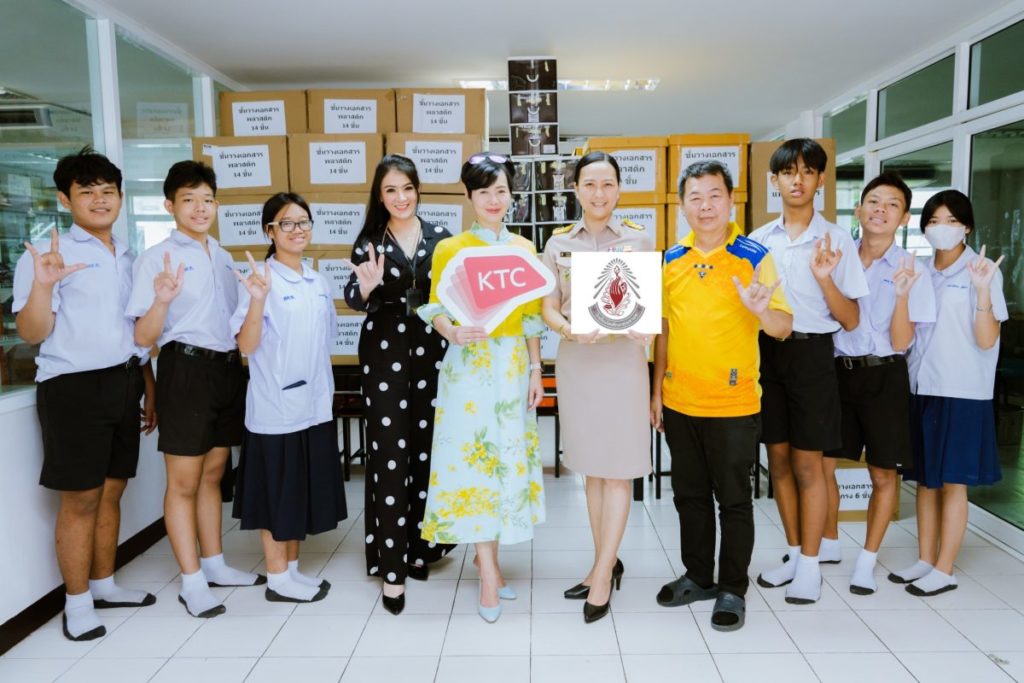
535 366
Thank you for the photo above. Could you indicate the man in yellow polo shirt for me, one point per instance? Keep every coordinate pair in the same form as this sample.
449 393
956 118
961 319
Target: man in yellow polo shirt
720 290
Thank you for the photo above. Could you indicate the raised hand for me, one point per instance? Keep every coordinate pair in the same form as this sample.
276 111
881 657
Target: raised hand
49 268
757 296
370 273
906 276
167 284
257 285
461 335
983 270
824 260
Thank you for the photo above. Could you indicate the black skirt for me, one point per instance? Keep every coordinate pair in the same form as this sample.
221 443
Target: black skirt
291 484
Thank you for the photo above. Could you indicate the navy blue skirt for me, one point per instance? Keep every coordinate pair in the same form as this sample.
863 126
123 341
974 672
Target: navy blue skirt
954 442
291 484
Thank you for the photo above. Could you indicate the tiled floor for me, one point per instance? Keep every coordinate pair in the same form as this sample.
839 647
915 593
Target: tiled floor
975 633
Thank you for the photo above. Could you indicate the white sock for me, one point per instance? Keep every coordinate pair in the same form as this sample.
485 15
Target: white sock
293 569
830 550
196 593
218 572
107 590
914 572
80 614
934 580
864 571
286 585
784 573
807 580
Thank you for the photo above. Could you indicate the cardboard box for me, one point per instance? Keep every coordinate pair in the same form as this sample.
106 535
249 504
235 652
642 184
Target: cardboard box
345 350
438 158
765 204
331 264
677 226
362 112
337 218
642 164
650 216
452 212
239 224
267 112
333 163
855 491
729 148
459 111
245 166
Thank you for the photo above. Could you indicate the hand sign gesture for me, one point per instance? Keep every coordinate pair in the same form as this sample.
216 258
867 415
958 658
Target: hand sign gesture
49 268
167 284
757 296
257 285
906 276
824 260
370 273
983 270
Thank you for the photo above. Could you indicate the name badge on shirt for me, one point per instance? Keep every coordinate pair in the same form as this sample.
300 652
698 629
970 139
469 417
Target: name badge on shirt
413 300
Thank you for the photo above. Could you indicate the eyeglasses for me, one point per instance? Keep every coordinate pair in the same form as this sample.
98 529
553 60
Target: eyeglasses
304 225
496 158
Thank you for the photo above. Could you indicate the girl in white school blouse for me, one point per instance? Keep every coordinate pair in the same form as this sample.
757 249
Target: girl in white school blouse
952 372
289 479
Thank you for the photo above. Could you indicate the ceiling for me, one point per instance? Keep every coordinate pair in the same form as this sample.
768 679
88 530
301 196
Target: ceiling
724 66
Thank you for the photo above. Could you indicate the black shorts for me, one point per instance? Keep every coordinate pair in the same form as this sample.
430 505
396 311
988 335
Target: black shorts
90 424
200 402
799 393
876 412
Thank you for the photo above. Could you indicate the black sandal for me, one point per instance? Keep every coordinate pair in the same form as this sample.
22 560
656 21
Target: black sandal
683 591
729 612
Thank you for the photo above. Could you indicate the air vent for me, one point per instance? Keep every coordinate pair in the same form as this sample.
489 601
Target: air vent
24 116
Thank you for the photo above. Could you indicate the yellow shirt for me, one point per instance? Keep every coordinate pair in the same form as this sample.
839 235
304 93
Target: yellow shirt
713 357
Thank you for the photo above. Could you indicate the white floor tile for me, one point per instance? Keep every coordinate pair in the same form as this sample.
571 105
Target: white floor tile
1010 662
317 636
326 542
345 567
548 596
220 670
646 564
232 636
469 634
468 597
971 594
1009 588
764 668
670 632
149 568
641 538
390 670
829 632
345 597
859 667
589 668
147 637
889 596
987 561
915 631
994 629
670 668
570 565
306 669
829 602
33 670
435 596
761 633
515 564
252 602
412 635
566 634
953 667
491 669
48 642
109 670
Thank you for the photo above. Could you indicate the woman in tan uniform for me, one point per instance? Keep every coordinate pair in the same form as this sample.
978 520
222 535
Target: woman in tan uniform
607 439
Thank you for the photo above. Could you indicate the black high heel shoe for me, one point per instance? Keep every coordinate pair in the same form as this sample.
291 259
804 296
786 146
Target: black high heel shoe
580 591
393 605
420 572
592 613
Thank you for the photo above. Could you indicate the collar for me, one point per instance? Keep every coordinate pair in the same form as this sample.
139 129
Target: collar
487 235
967 256
892 256
816 229
614 225
290 275
79 234
690 239
178 237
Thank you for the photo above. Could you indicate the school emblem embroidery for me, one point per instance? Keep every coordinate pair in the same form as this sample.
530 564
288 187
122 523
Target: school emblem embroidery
616 297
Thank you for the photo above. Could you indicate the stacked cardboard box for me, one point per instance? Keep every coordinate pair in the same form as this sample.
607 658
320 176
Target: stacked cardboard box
730 149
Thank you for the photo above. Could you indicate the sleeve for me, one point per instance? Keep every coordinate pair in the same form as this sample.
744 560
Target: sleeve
921 302
332 313
360 254
241 309
769 276
443 253
24 274
999 311
548 259
849 274
142 294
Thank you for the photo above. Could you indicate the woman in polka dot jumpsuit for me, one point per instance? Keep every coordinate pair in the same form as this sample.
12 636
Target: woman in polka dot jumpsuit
400 357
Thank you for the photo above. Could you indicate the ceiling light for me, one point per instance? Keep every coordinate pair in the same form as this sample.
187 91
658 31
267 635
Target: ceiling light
577 84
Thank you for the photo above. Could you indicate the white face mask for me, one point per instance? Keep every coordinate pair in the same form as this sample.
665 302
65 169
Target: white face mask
943 236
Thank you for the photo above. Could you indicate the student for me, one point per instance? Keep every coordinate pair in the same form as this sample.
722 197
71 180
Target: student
183 296
719 289
400 356
800 410
289 482
71 300
953 366
874 385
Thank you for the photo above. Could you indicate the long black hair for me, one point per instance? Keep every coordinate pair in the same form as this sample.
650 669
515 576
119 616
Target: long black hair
377 215
273 206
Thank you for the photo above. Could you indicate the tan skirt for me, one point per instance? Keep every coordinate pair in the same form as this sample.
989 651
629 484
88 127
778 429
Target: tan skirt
604 408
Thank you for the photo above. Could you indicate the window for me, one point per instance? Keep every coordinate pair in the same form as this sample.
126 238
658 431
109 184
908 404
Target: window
847 127
849 183
918 99
926 171
997 69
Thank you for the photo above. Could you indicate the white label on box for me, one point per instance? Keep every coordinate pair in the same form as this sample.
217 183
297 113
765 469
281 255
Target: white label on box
244 166
438 113
337 162
728 156
448 216
346 340
259 118
644 216
350 116
337 274
337 224
683 228
854 488
639 169
549 344
208 149
239 225
436 161
162 119
774 204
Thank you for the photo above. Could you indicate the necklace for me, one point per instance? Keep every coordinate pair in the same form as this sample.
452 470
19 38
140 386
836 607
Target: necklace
408 248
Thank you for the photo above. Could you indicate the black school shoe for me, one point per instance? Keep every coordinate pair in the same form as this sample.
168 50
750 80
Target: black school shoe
273 596
214 611
95 633
150 599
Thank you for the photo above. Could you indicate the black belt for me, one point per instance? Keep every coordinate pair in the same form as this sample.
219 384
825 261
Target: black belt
851 362
199 352
129 365
799 336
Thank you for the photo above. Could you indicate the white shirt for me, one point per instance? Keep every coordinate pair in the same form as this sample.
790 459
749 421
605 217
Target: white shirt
872 335
946 360
793 261
299 322
91 330
199 315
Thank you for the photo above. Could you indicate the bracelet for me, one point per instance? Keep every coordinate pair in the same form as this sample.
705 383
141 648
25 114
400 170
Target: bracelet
535 367
984 310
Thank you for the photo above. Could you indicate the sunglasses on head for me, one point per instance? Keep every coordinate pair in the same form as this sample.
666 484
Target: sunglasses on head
496 158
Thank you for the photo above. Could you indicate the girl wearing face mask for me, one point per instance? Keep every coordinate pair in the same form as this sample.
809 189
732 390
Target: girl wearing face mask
952 372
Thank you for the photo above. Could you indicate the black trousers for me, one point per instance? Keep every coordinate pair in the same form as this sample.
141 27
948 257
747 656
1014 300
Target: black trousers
711 459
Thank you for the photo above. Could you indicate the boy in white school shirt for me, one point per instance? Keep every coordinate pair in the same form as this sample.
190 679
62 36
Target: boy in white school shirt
71 300
184 294
800 409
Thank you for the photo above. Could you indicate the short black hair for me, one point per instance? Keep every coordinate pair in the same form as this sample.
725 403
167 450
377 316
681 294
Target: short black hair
956 201
190 174
595 157
699 169
889 179
792 151
482 170
86 167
